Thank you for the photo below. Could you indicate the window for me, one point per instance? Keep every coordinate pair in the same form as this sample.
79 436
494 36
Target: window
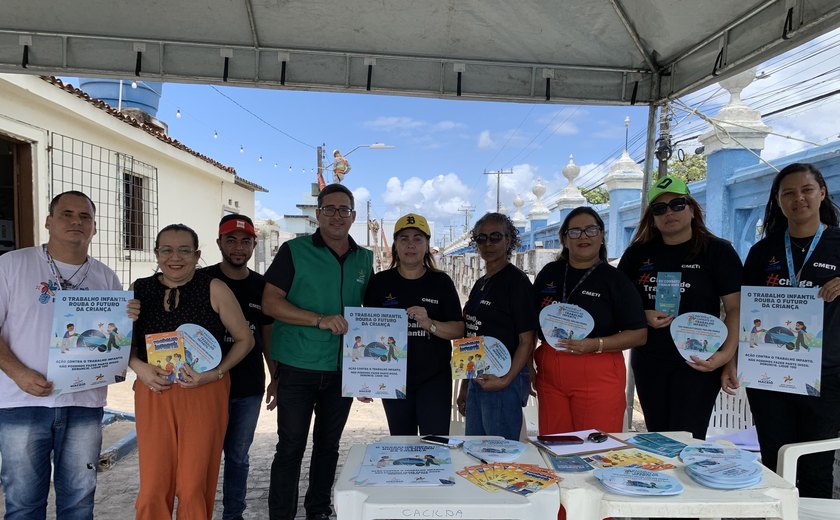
133 229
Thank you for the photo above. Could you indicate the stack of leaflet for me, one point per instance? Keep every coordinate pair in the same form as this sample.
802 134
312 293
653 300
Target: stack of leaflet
657 443
637 482
498 450
720 467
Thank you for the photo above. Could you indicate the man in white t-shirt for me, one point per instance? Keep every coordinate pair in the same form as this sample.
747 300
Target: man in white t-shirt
34 423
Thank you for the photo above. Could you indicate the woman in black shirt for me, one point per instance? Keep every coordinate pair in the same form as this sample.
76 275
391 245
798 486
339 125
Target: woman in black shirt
800 248
434 317
672 238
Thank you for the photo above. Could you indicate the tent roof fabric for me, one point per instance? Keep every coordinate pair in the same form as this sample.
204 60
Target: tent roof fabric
570 51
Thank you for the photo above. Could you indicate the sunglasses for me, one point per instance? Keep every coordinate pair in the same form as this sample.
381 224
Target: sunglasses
660 208
494 238
597 437
590 231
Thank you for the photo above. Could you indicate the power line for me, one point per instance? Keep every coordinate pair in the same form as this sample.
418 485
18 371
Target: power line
293 138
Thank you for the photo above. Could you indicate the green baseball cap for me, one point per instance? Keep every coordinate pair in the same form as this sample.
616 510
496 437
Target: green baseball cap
667 184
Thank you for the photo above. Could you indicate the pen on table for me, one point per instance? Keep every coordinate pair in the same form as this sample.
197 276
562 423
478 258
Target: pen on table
476 457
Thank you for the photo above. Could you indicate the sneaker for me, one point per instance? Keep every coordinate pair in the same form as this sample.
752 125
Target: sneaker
319 516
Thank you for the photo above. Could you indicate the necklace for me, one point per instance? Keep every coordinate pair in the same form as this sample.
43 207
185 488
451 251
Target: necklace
801 247
65 283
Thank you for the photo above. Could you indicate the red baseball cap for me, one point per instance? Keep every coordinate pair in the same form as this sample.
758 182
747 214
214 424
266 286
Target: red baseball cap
237 223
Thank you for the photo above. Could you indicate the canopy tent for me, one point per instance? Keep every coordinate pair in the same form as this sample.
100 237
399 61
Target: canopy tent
569 51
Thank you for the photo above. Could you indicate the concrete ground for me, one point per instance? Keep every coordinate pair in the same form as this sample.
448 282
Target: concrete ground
117 486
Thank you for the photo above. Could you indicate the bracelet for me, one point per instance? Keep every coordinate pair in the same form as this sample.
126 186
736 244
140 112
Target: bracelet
318 321
221 373
600 346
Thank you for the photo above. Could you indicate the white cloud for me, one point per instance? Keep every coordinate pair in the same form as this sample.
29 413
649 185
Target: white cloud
485 141
361 196
394 123
263 213
437 198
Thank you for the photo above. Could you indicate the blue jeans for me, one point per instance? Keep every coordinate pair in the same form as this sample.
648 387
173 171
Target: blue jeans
299 394
497 413
243 413
28 436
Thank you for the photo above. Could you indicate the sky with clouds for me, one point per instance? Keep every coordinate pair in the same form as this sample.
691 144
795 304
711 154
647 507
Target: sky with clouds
444 147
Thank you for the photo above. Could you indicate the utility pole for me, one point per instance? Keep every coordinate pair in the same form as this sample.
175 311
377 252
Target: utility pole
316 188
467 211
367 222
498 174
663 144
450 231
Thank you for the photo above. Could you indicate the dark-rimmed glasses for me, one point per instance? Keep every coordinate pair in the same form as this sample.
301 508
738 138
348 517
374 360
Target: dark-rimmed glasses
590 231
660 208
494 238
330 211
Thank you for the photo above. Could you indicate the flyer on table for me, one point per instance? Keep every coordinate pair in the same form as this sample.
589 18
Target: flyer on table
780 339
375 353
388 464
91 340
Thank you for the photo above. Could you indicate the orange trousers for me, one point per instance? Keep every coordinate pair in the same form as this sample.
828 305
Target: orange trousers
180 433
580 392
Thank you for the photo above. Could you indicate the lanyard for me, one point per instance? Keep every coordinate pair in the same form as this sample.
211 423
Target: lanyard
62 283
794 282
582 278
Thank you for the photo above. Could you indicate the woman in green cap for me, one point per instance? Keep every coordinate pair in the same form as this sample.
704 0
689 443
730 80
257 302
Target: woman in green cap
672 242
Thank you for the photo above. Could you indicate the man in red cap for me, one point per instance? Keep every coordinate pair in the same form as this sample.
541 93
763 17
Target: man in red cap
237 239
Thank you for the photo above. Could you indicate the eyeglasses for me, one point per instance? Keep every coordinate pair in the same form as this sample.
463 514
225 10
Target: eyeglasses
658 209
494 237
590 231
166 252
330 211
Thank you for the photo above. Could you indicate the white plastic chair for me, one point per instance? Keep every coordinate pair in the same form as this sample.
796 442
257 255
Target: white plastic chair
809 508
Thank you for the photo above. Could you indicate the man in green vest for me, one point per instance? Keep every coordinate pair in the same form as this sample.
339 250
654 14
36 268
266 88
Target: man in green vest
310 281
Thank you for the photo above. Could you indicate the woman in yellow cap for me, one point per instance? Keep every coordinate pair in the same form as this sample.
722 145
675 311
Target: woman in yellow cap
429 297
672 242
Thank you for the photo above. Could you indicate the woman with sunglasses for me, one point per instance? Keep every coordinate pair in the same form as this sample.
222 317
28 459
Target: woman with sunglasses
500 305
672 238
181 426
581 383
800 248
429 297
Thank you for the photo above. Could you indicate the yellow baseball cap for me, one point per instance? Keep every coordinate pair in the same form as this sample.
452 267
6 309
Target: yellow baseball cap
412 220
667 184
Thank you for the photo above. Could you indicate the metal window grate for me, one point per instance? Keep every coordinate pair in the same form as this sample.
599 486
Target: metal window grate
125 192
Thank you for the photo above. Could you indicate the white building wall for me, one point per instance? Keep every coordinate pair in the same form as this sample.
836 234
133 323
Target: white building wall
190 190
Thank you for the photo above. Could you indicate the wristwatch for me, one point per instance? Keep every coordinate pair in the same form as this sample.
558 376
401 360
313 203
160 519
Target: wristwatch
433 328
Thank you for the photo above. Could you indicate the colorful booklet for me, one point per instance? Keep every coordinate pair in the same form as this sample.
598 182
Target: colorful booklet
630 458
668 292
166 350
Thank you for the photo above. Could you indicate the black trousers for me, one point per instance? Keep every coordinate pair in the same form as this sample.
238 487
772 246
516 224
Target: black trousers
782 418
299 394
426 408
674 396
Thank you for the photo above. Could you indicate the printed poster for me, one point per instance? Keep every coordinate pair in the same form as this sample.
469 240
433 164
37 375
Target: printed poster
375 353
780 339
406 465
91 340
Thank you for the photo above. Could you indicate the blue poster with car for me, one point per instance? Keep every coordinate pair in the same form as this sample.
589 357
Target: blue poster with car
780 339
375 353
